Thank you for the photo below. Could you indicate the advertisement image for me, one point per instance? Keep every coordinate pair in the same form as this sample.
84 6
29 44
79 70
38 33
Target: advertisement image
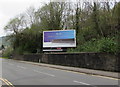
60 38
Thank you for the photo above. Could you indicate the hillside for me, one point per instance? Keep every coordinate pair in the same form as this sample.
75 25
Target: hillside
4 41
0 41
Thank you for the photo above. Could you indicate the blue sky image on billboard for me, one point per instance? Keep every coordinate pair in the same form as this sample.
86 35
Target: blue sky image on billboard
49 36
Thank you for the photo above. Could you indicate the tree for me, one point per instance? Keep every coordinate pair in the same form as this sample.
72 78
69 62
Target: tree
30 14
95 23
77 19
15 25
116 15
95 18
51 15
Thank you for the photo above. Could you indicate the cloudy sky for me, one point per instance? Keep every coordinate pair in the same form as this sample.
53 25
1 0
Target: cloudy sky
11 8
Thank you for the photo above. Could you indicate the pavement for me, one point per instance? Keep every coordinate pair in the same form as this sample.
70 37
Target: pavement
80 70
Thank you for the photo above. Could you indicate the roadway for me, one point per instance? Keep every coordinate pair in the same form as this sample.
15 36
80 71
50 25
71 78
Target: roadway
19 73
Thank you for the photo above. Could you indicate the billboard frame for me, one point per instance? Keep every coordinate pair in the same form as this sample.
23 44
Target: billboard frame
61 46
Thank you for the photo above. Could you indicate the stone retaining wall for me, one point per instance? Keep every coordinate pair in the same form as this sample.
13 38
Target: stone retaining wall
99 61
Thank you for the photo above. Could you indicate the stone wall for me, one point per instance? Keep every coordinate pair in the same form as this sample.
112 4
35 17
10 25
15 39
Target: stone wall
99 61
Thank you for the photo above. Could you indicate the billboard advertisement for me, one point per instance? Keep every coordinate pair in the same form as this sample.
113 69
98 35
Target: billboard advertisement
59 38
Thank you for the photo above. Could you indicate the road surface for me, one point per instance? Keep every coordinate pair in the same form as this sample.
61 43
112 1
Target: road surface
16 73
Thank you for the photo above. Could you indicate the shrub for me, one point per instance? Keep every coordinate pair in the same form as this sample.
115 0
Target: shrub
101 45
7 52
108 45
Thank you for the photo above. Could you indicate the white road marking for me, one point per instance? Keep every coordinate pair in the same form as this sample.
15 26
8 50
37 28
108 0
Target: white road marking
21 67
81 82
107 77
44 73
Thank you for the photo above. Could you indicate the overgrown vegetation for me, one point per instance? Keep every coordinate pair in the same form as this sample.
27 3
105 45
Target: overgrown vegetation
100 45
97 26
7 52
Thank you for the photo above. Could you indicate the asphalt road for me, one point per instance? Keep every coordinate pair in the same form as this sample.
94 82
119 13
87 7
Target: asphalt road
19 73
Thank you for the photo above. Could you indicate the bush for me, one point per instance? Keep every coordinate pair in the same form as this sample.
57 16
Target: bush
28 41
18 50
108 45
7 52
101 45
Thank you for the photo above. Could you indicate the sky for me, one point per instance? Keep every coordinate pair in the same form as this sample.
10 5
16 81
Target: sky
11 8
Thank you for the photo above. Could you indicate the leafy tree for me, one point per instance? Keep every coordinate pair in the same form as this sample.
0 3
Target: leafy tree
15 25
51 15
97 26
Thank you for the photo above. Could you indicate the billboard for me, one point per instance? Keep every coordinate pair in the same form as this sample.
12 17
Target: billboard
59 38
